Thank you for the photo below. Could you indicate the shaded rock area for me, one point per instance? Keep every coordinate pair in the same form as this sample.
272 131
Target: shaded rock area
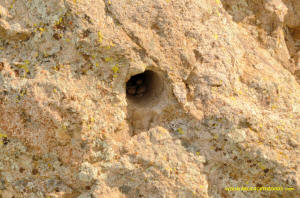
156 99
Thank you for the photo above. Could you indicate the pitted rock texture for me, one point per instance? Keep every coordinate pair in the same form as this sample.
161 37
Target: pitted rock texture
220 107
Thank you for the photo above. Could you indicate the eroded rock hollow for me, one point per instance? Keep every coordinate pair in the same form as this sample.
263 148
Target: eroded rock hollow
160 98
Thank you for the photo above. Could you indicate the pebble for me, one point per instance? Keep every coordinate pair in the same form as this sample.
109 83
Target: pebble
131 90
139 81
136 88
141 89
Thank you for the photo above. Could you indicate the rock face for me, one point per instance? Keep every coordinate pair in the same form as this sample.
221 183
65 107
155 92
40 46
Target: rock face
215 101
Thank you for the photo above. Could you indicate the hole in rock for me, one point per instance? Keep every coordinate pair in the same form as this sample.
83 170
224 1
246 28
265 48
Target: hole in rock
146 95
292 37
144 88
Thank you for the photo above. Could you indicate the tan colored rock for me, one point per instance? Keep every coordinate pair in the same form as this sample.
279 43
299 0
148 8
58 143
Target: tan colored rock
220 108
13 31
293 17
62 136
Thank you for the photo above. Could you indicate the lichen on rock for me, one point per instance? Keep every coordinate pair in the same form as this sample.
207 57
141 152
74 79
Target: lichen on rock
149 98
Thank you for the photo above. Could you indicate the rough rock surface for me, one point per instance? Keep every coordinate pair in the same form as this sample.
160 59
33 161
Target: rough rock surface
221 109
